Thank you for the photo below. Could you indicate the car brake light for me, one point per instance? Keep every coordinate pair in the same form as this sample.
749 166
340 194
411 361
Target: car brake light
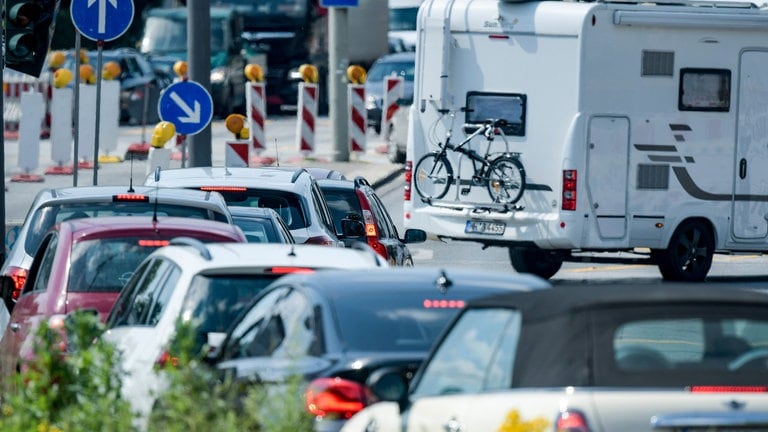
19 276
571 421
335 397
129 197
569 189
443 304
728 389
319 240
289 270
154 243
165 359
223 188
408 177
371 232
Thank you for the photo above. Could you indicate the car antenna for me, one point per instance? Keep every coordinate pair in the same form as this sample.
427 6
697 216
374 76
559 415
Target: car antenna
443 282
157 187
130 180
277 157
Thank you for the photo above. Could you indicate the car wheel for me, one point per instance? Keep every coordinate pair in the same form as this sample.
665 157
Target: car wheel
689 254
540 262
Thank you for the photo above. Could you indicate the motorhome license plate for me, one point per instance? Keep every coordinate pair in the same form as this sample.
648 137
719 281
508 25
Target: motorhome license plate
483 227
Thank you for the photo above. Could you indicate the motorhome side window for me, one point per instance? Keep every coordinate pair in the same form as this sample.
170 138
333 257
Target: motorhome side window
705 90
482 106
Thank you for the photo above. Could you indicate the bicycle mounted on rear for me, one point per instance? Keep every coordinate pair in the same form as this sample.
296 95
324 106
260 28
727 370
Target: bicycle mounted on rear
501 173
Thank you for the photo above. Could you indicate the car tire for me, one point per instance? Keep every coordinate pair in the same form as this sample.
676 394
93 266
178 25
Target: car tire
689 254
540 262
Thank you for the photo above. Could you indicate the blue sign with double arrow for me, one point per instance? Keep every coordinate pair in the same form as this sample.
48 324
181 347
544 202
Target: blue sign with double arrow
102 20
187 105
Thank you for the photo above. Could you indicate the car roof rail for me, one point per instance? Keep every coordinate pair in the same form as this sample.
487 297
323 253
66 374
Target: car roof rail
297 173
201 248
361 181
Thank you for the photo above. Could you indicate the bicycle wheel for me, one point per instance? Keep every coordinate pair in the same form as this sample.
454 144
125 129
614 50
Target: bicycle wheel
506 180
432 176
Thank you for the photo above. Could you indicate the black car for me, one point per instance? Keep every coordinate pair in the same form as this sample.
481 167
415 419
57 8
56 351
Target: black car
140 83
336 328
261 225
358 200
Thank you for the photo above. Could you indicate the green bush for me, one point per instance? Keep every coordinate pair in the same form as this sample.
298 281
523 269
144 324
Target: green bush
80 390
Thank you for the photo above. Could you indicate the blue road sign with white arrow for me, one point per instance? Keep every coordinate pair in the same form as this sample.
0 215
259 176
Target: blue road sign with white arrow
187 105
102 20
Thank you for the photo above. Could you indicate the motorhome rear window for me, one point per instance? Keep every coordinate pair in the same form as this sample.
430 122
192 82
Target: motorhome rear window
482 107
705 90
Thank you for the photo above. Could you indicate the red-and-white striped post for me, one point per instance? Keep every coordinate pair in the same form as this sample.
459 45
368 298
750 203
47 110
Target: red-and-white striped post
306 117
393 90
357 117
61 131
257 114
236 153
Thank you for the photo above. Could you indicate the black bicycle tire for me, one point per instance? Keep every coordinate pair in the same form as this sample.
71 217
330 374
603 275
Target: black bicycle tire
492 170
436 158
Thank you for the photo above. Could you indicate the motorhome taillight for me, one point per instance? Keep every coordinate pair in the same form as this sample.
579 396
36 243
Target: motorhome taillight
569 189
571 421
408 177
335 397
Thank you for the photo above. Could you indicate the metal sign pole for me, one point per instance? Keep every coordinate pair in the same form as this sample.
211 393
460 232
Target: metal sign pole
76 109
99 48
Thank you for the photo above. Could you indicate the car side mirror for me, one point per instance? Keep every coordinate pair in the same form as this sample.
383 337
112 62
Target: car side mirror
389 384
352 228
413 235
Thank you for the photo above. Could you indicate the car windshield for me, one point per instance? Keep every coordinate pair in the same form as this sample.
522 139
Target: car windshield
213 302
272 8
382 70
49 215
168 35
105 265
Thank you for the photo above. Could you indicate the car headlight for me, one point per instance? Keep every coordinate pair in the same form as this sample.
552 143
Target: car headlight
294 74
218 75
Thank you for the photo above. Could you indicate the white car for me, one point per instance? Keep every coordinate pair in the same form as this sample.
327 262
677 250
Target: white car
207 285
664 358
291 191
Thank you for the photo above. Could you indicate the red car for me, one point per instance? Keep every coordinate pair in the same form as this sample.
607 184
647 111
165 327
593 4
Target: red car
83 264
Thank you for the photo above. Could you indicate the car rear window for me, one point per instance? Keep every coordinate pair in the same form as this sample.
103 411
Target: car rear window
342 202
257 230
214 301
287 204
381 322
47 216
105 265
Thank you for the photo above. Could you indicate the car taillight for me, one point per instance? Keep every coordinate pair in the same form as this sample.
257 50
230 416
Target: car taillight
408 177
319 240
223 188
336 397
165 359
728 389
19 276
571 421
569 189
371 231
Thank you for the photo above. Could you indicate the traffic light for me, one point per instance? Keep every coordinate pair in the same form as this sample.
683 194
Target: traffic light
28 29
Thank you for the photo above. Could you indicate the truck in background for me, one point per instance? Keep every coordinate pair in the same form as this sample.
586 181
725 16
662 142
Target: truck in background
294 32
640 126
164 42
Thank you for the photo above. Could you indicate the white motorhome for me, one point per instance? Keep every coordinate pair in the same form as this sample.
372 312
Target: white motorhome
642 128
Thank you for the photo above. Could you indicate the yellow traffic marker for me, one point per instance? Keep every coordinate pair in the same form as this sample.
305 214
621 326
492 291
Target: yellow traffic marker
254 73
61 77
309 73
356 74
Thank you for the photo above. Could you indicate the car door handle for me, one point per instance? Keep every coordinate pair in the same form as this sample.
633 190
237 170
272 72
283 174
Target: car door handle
743 169
15 327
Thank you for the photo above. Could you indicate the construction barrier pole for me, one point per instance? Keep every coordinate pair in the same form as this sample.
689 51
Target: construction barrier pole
29 136
306 117
357 117
61 131
236 153
393 90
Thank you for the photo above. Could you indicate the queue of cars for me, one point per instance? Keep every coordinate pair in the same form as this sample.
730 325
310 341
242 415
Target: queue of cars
371 343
